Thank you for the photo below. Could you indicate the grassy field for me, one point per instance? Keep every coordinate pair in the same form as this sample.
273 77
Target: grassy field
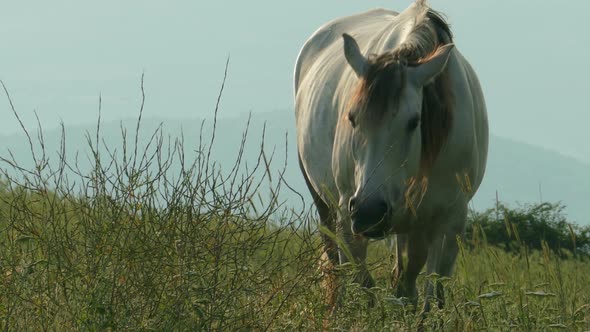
81 264
126 254
153 239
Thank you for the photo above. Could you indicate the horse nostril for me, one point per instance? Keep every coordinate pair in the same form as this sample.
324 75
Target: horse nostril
352 204
369 217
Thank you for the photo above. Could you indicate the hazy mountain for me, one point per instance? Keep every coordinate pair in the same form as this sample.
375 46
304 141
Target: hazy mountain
520 173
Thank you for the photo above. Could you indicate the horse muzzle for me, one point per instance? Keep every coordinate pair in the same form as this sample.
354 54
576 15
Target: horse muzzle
369 218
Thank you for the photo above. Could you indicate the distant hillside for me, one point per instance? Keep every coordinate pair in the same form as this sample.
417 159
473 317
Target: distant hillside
525 173
520 173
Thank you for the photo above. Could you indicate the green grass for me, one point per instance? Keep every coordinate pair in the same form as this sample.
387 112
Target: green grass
115 260
153 239
73 265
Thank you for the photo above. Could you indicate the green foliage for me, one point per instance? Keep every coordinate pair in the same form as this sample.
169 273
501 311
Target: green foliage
92 264
531 226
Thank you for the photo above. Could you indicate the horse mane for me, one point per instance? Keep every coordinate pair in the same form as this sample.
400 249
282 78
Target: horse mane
384 80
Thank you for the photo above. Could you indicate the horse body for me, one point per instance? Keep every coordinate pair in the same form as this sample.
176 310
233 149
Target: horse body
378 177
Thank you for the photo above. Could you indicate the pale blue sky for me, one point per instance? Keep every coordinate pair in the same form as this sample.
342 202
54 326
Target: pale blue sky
57 56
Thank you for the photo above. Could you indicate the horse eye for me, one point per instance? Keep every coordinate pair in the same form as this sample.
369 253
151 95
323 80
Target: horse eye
352 120
413 123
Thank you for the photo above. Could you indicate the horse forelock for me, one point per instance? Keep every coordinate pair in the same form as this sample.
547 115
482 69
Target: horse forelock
383 83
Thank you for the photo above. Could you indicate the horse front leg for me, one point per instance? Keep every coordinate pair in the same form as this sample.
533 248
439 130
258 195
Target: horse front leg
417 251
355 252
434 254
450 249
351 249
442 256
329 261
441 259
399 245
329 257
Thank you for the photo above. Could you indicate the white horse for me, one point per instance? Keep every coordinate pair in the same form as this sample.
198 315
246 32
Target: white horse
392 135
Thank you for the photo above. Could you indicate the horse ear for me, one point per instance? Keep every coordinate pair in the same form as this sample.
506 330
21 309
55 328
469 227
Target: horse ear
428 70
353 55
